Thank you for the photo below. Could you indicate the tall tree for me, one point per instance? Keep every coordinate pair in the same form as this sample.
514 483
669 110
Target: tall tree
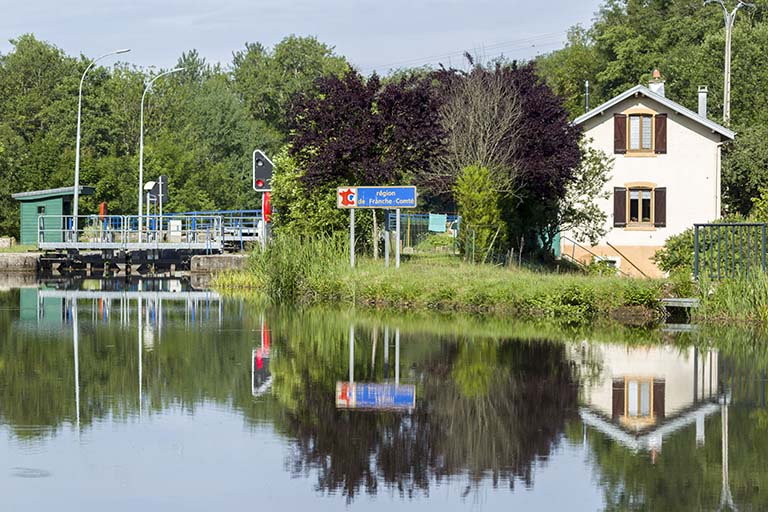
268 80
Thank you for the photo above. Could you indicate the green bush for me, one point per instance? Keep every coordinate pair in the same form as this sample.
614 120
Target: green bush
677 253
481 224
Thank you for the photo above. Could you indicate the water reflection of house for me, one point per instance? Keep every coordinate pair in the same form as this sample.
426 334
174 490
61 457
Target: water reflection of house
644 394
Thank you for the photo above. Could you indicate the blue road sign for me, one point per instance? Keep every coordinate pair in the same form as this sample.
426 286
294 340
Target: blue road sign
376 197
359 395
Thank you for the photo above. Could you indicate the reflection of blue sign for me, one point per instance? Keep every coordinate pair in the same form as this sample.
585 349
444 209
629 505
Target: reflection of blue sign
354 395
376 197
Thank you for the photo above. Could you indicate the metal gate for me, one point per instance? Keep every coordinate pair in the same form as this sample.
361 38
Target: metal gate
728 249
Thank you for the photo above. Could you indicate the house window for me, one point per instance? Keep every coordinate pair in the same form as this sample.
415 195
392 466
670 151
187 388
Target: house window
640 133
639 399
640 206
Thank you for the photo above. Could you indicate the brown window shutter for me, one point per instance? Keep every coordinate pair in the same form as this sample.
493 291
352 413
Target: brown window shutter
619 207
660 146
617 408
619 133
660 207
658 399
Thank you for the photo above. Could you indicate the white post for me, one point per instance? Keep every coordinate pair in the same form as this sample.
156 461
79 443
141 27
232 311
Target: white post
351 353
386 352
75 336
397 356
160 212
352 237
730 19
386 238
141 344
76 198
140 226
397 238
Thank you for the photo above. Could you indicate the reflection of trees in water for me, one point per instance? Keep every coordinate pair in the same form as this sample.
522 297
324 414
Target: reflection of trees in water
684 476
485 409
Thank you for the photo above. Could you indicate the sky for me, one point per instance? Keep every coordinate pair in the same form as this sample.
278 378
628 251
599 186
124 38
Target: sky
373 35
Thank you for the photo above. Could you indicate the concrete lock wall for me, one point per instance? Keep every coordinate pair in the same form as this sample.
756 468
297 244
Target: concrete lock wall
19 262
216 263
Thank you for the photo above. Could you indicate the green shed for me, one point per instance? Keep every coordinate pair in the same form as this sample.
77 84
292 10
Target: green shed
56 202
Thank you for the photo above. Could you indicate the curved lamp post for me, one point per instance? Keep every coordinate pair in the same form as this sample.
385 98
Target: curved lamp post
730 19
147 88
76 199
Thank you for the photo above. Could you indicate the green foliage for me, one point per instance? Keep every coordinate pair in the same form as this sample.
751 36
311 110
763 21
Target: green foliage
579 211
681 283
268 80
436 241
478 202
678 251
198 129
745 173
299 211
759 211
685 41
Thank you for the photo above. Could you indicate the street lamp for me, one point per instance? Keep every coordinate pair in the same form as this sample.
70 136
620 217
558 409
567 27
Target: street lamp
141 144
77 150
730 19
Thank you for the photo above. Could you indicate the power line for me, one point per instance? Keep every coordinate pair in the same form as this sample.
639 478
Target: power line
540 40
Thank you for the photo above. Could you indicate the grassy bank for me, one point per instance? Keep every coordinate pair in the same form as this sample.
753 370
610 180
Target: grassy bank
316 271
18 248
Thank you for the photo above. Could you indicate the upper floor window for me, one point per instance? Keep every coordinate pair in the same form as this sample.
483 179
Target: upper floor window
639 133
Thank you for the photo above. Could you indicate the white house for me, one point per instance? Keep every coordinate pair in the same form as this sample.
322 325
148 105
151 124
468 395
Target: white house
644 394
666 174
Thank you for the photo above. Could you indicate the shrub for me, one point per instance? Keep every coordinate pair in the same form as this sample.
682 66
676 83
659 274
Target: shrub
677 253
478 202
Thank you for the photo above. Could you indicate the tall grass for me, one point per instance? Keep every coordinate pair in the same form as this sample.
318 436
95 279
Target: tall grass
302 269
742 298
316 271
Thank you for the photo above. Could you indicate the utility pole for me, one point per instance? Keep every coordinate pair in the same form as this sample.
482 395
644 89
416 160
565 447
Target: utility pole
730 19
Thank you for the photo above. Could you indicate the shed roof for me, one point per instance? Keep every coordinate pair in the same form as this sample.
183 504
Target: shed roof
672 105
34 195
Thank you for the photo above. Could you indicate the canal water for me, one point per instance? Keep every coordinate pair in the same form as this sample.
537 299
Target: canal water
138 395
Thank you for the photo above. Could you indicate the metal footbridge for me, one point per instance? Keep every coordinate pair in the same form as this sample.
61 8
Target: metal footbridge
202 232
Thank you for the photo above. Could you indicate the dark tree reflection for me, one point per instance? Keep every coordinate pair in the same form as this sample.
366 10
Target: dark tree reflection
485 409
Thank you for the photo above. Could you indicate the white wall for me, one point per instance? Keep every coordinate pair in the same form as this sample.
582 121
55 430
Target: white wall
689 171
674 365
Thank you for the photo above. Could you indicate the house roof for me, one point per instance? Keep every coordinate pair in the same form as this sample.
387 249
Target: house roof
652 438
33 195
672 105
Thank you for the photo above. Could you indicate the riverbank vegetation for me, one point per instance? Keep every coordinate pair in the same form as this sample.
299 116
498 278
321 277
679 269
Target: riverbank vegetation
313 271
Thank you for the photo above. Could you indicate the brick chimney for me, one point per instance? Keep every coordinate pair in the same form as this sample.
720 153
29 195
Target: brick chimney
657 84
